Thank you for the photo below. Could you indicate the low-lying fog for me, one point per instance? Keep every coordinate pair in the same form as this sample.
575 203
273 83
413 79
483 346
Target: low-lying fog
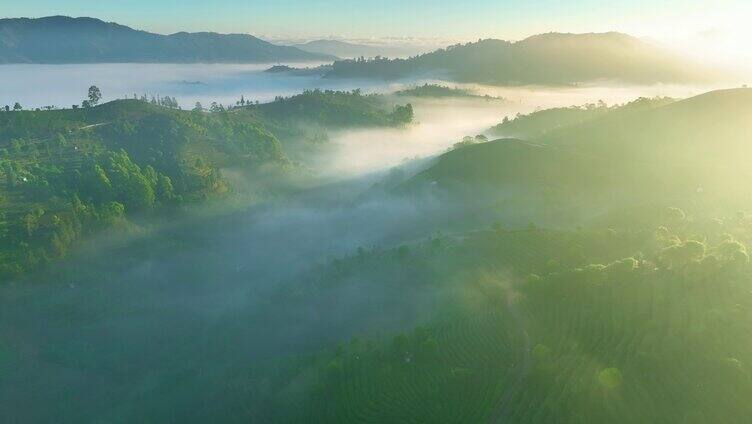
65 85
112 327
442 122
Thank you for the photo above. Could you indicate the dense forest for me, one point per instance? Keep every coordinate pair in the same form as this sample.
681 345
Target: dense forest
70 173
435 91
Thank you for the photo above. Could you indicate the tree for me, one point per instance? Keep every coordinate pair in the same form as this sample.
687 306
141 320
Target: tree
95 95
17 106
403 114
216 107
165 191
130 185
199 107
98 184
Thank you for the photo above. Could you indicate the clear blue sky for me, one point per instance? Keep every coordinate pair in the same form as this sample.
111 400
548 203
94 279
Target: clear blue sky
380 18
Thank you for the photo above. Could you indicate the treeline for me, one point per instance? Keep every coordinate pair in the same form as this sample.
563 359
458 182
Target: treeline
337 109
440 91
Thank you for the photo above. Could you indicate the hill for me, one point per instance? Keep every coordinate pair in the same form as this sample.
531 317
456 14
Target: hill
678 153
530 326
69 173
553 58
345 49
435 91
61 39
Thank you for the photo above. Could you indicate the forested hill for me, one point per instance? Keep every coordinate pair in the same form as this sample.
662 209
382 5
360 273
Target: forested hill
552 58
61 39
545 121
68 173
435 91
678 153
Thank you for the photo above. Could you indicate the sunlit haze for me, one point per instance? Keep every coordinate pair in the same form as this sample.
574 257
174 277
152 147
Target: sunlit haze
292 211
718 28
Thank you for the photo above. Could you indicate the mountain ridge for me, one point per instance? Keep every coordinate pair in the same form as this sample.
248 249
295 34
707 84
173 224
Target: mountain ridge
546 59
63 39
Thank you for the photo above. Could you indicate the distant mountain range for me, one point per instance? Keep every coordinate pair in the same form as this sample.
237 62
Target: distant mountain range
552 58
344 49
61 39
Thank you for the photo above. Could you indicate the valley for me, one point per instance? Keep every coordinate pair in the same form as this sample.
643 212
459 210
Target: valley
224 229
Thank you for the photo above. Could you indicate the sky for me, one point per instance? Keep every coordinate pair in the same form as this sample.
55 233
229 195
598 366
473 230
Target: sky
704 26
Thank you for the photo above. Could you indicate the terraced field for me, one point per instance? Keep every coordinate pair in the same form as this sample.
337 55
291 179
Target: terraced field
455 373
679 348
582 343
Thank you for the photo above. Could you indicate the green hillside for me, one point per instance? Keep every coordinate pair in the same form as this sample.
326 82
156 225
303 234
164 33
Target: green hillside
541 122
687 151
534 326
69 173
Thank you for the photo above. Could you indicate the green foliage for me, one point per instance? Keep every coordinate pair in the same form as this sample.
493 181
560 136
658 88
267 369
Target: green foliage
610 378
436 91
95 95
403 114
335 109
68 173
639 330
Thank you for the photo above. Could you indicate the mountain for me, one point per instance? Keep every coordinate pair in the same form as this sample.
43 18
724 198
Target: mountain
553 58
62 39
338 48
350 50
